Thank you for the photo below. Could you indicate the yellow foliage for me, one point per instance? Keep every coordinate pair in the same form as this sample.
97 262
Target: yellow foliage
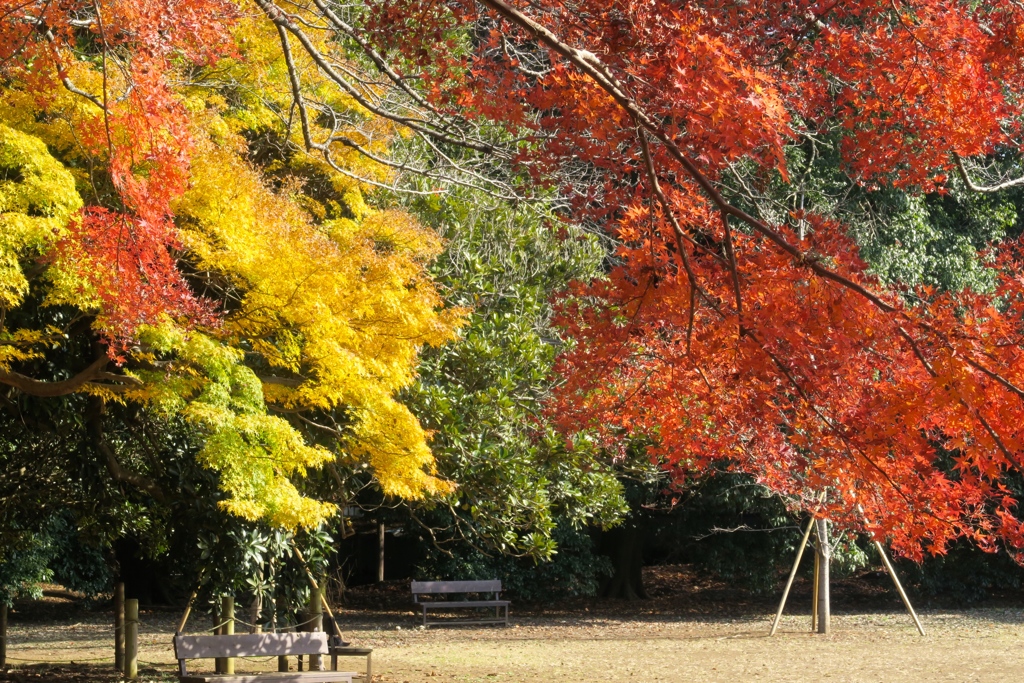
264 92
339 309
37 199
327 299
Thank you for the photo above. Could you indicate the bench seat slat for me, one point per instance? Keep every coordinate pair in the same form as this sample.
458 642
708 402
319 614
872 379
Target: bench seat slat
466 622
349 651
274 677
250 645
426 587
443 604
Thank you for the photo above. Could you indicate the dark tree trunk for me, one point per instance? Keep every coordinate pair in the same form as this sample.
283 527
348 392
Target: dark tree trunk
625 546
143 579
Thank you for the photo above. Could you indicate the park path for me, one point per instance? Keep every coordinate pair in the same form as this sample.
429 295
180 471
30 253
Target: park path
972 645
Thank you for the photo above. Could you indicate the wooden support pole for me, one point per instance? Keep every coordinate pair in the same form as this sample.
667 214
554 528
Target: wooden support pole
280 607
3 634
315 613
119 626
792 575
192 601
218 663
131 639
226 665
380 559
323 594
899 587
824 553
215 618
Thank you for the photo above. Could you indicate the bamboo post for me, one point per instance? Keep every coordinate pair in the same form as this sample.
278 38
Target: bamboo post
188 611
899 587
280 605
227 617
3 634
380 560
323 595
814 592
131 639
792 575
119 626
822 595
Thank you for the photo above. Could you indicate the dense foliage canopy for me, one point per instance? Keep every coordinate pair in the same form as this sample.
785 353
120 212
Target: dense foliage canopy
183 189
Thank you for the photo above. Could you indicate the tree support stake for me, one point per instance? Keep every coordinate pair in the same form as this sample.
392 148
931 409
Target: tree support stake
899 587
792 575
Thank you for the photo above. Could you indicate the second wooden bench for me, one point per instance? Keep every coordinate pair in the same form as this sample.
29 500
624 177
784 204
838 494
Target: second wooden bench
433 589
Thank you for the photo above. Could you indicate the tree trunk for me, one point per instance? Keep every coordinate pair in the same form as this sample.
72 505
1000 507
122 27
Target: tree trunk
824 554
3 634
119 626
625 547
254 614
256 607
380 559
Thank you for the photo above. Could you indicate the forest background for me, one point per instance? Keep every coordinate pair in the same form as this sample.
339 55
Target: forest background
275 274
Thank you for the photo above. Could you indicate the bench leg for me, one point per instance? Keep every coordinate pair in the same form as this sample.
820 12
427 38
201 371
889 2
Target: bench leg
369 668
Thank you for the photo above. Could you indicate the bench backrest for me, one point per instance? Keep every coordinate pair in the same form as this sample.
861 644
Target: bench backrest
249 645
437 587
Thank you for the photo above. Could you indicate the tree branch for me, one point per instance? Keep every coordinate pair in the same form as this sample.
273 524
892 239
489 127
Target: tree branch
43 389
985 189
289 382
94 417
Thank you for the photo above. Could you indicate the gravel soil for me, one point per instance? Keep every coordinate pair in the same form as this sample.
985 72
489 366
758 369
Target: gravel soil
690 630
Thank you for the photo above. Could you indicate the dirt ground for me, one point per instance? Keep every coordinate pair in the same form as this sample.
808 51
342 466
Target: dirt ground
691 630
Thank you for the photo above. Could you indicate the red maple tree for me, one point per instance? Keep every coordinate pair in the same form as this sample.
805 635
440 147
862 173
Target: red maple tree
728 338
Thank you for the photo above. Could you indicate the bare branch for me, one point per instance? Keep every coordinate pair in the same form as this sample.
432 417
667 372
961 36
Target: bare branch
985 189
419 124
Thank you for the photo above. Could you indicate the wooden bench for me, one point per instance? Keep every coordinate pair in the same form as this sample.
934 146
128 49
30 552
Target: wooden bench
433 589
256 645
349 651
